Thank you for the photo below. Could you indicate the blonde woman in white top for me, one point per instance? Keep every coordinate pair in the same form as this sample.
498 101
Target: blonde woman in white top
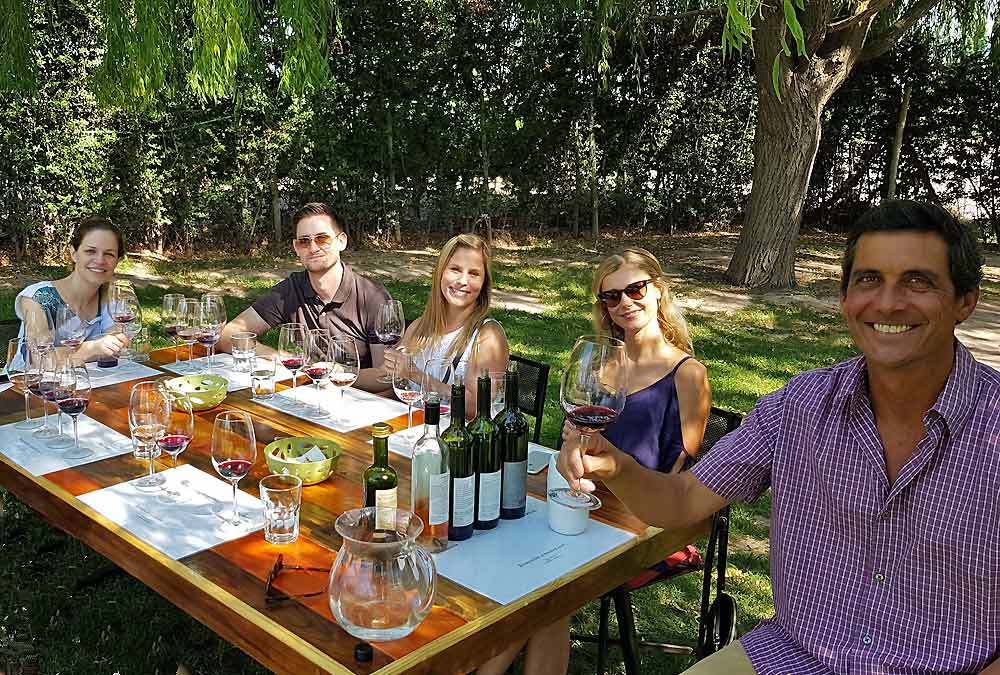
455 332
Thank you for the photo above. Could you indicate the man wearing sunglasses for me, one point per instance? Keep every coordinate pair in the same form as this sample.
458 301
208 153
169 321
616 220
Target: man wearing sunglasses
884 473
327 294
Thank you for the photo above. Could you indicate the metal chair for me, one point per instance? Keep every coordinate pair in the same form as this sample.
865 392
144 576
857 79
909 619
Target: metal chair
712 634
532 385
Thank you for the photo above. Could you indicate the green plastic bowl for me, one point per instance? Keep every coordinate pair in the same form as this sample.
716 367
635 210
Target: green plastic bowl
203 392
310 472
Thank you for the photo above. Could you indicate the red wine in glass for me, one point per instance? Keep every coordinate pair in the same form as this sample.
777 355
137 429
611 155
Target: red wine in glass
592 418
390 339
208 338
171 331
123 317
234 469
173 443
73 405
293 363
72 342
318 373
35 388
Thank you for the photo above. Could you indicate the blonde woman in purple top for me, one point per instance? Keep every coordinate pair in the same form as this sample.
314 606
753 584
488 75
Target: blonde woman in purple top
665 412
884 472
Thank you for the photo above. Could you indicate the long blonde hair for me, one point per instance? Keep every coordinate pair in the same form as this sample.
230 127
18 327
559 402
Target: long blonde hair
432 325
673 325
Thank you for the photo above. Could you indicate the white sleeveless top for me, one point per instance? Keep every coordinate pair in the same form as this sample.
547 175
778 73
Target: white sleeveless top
444 368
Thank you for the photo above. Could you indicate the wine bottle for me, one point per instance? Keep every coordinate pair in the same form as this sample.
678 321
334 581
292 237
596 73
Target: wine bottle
430 480
486 457
460 463
512 444
380 480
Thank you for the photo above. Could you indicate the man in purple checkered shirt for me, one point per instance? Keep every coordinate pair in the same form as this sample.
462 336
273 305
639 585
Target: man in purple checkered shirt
884 472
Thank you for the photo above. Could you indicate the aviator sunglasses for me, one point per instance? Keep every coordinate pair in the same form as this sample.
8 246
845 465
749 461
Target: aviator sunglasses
323 240
636 291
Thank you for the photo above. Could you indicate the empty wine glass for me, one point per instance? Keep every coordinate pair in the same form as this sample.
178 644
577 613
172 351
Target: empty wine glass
76 379
188 325
292 342
318 365
389 326
70 330
149 411
346 367
593 387
234 451
171 320
24 371
408 385
213 318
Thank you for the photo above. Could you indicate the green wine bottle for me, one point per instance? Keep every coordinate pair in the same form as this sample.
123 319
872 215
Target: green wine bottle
486 457
512 442
463 475
380 480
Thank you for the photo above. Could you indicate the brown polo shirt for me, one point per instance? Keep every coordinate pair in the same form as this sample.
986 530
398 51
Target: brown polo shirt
351 313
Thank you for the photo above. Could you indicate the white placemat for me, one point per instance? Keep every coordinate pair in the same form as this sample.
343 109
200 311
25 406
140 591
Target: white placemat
4 387
223 366
34 456
186 515
520 556
360 409
123 372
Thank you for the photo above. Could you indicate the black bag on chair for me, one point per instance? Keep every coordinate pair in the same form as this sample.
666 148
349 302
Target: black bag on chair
718 624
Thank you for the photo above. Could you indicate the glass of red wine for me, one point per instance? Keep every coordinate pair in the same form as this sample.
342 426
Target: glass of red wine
319 366
149 411
170 318
55 387
594 385
125 310
178 434
213 318
389 326
234 451
293 340
76 379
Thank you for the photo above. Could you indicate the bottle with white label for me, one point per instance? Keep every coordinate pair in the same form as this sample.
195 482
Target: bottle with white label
430 480
486 457
512 445
380 480
460 462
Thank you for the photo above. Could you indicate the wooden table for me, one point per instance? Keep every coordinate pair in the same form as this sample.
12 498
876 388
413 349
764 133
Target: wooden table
223 587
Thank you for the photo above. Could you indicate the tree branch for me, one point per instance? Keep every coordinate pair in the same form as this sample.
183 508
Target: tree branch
669 18
854 20
896 31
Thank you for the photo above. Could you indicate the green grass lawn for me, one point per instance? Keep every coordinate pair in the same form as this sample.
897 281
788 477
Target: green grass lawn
119 626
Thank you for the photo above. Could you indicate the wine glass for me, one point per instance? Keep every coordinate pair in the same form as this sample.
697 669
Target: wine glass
59 360
149 412
24 372
188 322
389 326
213 318
171 320
346 366
593 387
234 450
49 392
408 384
438 370
70 330
292 342
125 310
318 365
76 379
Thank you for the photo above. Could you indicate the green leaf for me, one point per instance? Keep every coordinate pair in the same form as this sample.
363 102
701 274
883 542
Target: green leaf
793 25
776 75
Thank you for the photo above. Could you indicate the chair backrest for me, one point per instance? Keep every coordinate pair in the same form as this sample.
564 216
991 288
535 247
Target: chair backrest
720 423
532 385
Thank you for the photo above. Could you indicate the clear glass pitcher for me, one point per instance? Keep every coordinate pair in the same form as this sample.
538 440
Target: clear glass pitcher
382 583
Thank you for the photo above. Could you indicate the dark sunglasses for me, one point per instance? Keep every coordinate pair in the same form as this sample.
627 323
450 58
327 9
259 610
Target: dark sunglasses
323 240
273 595
636 291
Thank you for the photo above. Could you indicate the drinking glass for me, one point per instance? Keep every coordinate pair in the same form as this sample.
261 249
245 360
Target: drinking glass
76 379
125 310
281 495
262 370
213 318
171 321
188 324
244 348
149 411
497 387
40 330
234 451
70 330
49 392
24 371
318 366
594 384
292 342
179 429
346 367
408 385
61 362
389 326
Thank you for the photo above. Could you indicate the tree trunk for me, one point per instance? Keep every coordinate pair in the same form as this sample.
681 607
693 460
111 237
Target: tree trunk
897 144
486 180
577 159
595 221
785 144
392 214
275 209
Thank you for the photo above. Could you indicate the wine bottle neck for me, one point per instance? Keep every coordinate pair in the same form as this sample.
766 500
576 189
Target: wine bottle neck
457 404
380 451
510 393
483 397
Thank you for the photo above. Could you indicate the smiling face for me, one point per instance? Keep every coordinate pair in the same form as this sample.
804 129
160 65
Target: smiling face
97 257
900 304
631 315
317 258
463 277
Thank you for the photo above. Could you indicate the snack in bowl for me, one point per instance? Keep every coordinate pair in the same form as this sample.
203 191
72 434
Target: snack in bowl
203 392
300 457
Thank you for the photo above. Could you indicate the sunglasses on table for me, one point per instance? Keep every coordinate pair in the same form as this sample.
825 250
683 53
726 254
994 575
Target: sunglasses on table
323 240
636 291
272 595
